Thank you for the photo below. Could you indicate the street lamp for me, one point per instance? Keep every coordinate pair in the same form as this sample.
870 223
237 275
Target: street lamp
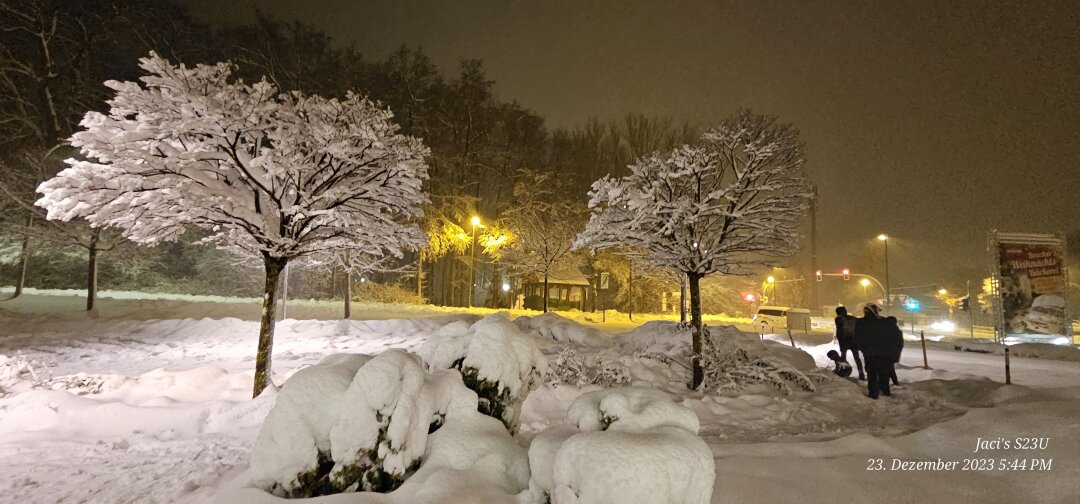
472 262
884 238
771 283
942 292
864 283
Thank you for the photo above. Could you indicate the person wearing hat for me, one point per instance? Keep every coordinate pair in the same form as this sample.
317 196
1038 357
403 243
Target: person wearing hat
872 341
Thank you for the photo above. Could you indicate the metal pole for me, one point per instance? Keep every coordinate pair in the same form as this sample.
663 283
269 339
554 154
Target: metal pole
1008 372
922 337
472 267
791 338
888 288
971 313
814 294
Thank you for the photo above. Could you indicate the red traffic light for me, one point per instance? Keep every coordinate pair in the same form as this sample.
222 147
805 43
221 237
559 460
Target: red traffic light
749 297
847 274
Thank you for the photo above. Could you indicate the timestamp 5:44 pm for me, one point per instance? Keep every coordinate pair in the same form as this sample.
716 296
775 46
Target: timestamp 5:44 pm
1003 464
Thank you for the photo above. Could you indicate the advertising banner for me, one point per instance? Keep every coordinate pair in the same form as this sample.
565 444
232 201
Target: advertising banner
1032 285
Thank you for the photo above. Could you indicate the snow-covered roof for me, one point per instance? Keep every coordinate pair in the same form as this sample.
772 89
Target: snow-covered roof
561 275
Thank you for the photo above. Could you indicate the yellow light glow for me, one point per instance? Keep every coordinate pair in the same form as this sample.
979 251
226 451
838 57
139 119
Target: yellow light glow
882 237
475 221
864 282
942 292
771 279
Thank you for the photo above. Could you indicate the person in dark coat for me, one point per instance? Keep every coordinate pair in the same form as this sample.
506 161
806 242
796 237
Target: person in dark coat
895 344
845 336
871 338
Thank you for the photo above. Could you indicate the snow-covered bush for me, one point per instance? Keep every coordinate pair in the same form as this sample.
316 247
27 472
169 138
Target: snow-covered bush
555 327
496 359
19 374
570 368
354 423
733 360
626 446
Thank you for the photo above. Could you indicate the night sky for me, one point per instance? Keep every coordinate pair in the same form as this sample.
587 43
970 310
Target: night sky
932 121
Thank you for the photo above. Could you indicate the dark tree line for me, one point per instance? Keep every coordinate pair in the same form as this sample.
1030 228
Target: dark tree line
55 55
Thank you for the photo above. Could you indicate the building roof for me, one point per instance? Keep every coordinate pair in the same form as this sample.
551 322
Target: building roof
561 275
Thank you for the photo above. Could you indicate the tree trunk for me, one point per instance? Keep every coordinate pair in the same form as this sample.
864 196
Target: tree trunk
273 267
682 299
420 274
91 271
24 258
696 330
545 291
348 294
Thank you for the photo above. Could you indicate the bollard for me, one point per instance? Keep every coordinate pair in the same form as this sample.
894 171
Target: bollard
791 338
922 337
806 326
1008 372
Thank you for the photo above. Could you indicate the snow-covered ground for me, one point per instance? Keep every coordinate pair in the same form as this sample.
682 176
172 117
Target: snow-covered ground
150 402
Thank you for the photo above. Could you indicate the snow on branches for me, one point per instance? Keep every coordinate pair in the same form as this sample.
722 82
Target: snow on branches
732 201
724 205
276 174
273 175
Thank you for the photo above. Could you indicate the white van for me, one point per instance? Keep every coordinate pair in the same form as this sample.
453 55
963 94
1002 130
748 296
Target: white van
771 319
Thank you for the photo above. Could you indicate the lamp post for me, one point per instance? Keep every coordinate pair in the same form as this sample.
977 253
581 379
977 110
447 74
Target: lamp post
771 282
884 238
864 283
472 261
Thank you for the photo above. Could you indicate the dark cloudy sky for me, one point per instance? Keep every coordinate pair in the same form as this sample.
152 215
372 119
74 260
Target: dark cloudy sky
932 121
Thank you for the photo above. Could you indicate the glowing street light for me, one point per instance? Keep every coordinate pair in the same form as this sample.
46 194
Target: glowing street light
884 238
864 283
942 292
770 280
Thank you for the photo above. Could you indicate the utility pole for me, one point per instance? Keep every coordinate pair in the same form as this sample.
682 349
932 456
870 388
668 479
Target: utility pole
971 312
814 294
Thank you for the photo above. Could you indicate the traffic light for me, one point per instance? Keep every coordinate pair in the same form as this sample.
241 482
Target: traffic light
963 304
819 275
847 274
749 297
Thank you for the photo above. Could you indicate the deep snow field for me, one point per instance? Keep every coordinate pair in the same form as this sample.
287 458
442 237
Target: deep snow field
151 403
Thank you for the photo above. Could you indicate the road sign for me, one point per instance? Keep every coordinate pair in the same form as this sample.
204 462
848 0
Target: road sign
605 280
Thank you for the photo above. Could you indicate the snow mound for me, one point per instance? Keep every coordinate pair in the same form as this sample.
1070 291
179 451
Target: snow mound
496 359
295 437
656 336
628 446
632 409
555 327
1030 350
352 423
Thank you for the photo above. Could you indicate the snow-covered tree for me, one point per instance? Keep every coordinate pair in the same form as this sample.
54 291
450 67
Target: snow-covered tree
543 223
274 176
731 202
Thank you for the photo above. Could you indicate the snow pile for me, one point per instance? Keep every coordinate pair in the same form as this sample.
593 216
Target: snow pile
497 361
1031 350
571 368
735 362
656 337
353 423
553 326
626 446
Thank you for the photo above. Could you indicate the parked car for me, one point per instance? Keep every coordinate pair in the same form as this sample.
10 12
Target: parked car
772 319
